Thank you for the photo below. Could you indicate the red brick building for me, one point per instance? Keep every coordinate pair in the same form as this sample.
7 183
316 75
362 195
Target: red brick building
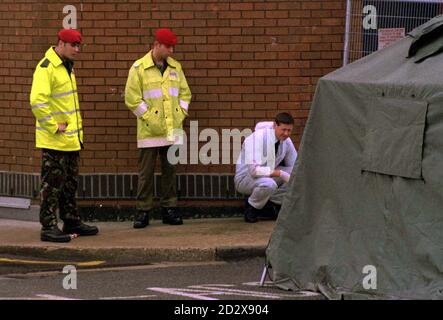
244 61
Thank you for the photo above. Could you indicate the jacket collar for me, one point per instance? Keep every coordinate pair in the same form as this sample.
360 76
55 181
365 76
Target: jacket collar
148 62
52 56
272 134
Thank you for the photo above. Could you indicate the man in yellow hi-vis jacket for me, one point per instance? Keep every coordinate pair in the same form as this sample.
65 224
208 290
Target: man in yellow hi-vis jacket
59 133
158 95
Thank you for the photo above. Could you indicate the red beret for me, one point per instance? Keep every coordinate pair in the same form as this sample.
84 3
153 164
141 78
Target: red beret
166 37
70 36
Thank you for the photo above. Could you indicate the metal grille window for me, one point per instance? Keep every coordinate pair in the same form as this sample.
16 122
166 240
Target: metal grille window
374 24
124 186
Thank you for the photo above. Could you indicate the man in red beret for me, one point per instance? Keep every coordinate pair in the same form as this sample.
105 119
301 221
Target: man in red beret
69 47
59 133
159 96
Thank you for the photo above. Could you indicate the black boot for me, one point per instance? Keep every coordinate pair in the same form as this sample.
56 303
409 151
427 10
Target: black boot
171 216
141 219
54 234
79 228
276 208
270 210
251 213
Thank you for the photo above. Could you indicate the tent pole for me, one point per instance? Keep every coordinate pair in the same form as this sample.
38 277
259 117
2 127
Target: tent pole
347 33
263 275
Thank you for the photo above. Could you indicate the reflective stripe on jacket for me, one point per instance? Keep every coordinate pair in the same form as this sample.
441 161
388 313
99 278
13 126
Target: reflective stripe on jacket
54 100
160 103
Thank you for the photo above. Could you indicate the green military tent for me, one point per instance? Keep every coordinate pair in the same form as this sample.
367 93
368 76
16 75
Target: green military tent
363 215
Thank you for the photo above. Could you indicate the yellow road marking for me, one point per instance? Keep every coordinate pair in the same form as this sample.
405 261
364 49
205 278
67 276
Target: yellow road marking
80 264
122 268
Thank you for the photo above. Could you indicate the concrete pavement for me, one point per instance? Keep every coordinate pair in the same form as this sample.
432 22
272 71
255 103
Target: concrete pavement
117 242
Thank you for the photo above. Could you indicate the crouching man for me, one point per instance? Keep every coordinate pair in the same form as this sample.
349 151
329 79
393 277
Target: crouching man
264 167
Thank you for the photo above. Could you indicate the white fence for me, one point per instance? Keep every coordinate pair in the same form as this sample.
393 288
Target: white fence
373 24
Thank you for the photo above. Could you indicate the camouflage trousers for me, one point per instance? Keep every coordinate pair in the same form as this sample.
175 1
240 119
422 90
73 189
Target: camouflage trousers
58 186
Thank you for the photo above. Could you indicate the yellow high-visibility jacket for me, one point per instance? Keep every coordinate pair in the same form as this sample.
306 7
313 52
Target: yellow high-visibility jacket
54 100
160 103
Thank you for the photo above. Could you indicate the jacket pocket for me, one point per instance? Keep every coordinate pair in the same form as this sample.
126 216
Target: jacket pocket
179 116
155 122
393 143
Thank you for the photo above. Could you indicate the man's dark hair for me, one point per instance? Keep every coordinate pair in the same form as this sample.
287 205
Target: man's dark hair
285 118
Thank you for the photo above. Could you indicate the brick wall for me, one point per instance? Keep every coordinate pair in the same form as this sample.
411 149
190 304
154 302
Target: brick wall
244 61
